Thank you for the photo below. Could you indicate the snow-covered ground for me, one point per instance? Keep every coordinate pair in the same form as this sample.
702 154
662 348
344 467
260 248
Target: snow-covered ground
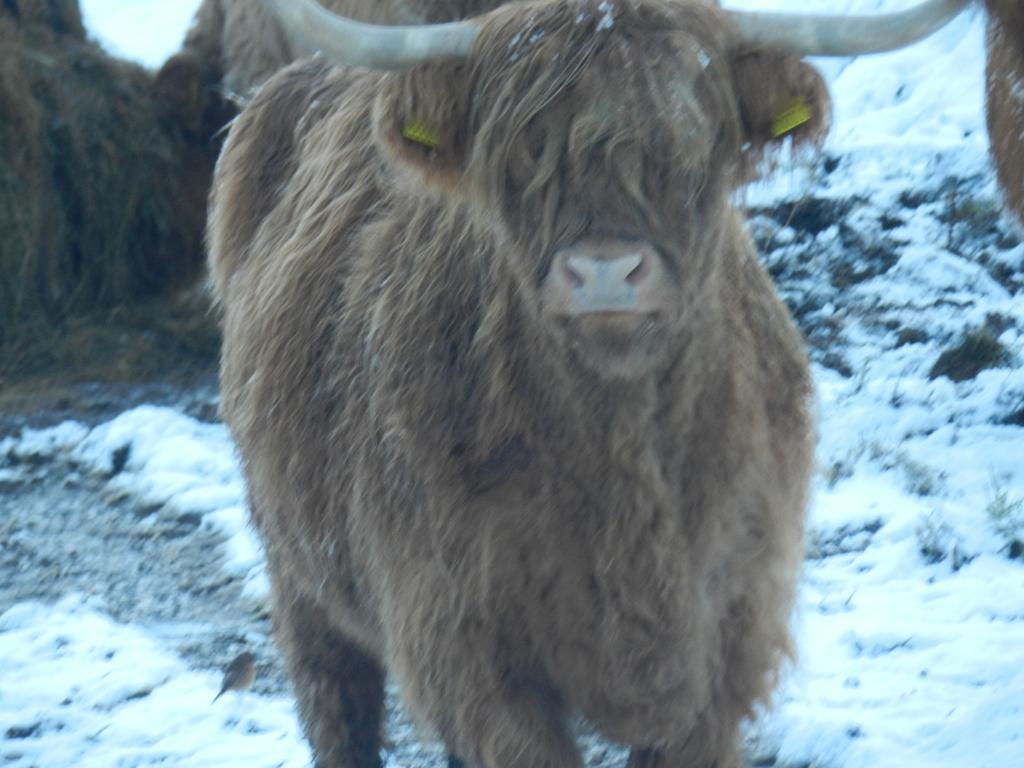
911 620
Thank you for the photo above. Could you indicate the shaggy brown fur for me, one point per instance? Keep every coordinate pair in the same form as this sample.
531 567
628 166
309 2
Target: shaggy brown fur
102 193
445 488
240 44
1005 96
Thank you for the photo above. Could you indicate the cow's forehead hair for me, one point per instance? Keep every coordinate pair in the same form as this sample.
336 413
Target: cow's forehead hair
602 98
667 56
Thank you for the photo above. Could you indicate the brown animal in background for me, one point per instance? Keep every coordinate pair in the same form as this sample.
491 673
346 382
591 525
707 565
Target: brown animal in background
103 191
240 43
1005 97
522 418
232 46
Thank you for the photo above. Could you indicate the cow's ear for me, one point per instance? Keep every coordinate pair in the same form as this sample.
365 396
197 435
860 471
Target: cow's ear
781 98
420 118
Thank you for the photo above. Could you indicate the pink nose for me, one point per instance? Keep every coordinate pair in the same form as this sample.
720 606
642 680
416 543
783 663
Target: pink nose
600 274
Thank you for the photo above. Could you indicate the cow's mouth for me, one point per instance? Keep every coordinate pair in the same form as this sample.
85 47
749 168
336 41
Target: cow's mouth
610 326
616 345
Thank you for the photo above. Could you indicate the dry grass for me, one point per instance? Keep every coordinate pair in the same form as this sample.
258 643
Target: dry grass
102 206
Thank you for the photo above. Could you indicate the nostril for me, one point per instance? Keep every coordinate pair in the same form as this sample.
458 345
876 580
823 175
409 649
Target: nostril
639 273
574 278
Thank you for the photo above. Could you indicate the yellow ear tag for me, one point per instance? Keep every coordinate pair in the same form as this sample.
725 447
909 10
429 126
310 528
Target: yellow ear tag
421 133
793 116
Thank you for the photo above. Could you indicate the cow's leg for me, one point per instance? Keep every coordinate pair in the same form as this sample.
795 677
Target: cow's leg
338 687
456 677
495 725
709 740
704 749
753 647
507 729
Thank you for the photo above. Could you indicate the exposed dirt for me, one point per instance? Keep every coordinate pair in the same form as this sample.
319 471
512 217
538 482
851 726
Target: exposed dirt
63 530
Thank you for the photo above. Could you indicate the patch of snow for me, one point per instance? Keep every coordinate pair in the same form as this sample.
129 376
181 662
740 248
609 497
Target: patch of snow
43 442
160 456
78 689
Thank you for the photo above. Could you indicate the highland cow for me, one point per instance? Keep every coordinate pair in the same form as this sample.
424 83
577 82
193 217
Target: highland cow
523 421
1005 97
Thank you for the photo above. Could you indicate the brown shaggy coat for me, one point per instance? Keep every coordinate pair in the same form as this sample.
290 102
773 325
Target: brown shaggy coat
446 490
1005 96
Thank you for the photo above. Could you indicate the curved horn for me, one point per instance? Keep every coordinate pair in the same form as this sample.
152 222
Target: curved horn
818 35
313 28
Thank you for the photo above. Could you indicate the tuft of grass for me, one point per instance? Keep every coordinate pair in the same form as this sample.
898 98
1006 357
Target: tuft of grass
836 472
976 351
911 336
1015 416
845 539
919 479
970 221
842 468
979 214
1005 515
937 541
